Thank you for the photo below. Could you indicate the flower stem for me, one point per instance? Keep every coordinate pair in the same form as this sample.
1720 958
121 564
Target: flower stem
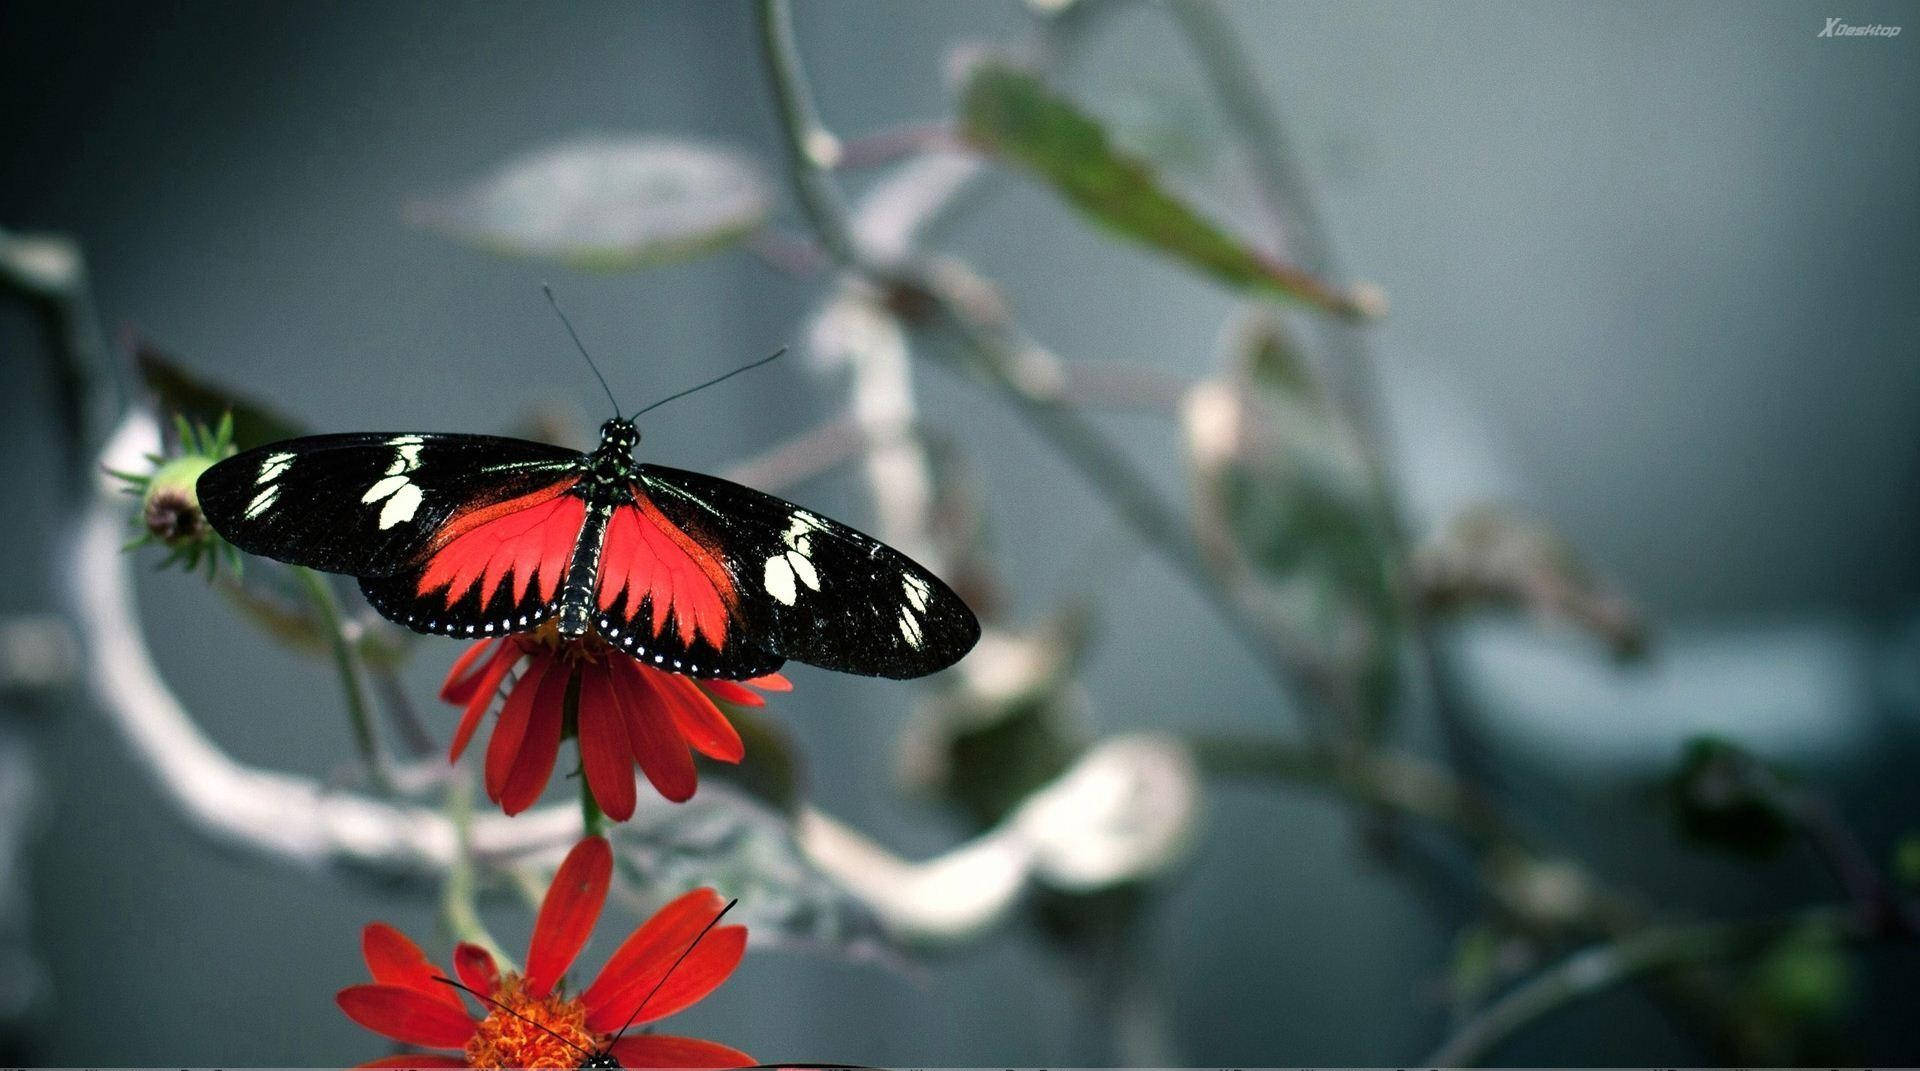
346 662
458 905
593 822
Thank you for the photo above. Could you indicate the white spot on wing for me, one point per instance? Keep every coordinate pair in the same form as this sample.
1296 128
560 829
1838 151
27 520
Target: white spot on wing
262 502
400 507
910 630
917 591
274 467
387 485
802 567
778 580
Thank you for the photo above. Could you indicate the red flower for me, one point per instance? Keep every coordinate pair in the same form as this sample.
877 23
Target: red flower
628 713
533 1015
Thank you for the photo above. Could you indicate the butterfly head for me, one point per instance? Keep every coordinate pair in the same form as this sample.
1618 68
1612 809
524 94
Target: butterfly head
599 1058
619 435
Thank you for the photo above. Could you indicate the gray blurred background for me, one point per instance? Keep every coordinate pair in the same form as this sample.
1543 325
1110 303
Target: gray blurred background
1652 271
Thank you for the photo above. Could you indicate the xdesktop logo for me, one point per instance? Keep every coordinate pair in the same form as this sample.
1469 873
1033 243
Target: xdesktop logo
1837 28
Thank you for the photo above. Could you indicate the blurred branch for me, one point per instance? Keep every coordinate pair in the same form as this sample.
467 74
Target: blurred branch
1401 783
1600 968
802 457
891 146
1118 385
278 814
965 309
1300 231
811 149
49 271
352 683
1086 829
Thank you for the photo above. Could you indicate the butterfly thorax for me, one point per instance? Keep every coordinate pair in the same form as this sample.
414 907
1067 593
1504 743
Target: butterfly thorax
606 485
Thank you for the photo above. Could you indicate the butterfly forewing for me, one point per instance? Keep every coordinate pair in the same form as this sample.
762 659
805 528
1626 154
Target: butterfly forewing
368 504
812 589
490 567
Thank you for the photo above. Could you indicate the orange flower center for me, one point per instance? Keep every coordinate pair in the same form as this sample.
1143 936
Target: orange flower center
514 1040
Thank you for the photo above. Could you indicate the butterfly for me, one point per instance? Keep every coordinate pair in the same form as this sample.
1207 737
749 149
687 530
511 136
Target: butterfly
479 535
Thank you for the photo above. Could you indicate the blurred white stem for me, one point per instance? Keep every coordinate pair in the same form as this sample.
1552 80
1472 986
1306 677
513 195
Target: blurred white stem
1091 827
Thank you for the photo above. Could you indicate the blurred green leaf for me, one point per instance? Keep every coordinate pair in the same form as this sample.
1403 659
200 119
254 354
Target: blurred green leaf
183 394
1010 726
1012 114
742 847
1723 797
1284 510
1488 557
1793 999
609 203
1906 860
1805 975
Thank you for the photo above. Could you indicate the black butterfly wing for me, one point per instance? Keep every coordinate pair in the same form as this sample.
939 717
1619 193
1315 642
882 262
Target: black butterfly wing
368 504
812 589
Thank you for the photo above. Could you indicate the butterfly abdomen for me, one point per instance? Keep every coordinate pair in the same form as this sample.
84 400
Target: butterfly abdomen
576 593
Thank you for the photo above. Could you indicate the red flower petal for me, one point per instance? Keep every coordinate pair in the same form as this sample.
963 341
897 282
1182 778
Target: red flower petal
733 692
772 682
485 685
665 1050
458 687
534 765
476 968
411 1059
699 721
568 913
406 1014
605 755
395 960
508 732
650 952
657 745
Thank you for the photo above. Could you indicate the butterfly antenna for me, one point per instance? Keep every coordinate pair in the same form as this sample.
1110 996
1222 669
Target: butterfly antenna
695 943
581 346
743 368
561 1038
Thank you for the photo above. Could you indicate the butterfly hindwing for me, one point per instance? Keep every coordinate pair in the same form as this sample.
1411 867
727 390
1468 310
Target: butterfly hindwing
667 595
367 504
812 589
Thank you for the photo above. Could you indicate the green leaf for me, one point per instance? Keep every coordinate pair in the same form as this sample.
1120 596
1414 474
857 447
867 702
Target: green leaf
192 398
1906 860
1723 797
1012 114
609 203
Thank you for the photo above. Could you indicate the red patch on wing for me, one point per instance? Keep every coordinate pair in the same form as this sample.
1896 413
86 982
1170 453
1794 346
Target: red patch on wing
648 555
521 539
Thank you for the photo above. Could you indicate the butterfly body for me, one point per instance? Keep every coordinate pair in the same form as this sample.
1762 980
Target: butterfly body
476 536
